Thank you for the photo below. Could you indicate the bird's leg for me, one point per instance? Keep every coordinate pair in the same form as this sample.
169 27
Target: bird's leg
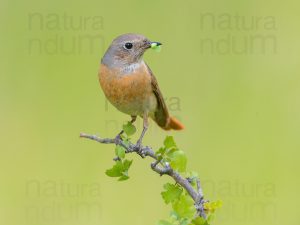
118 137
145 127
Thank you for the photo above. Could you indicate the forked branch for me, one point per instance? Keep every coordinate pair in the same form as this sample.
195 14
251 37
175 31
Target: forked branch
158 167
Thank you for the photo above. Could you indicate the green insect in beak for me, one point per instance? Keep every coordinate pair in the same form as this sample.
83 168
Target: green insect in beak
156 46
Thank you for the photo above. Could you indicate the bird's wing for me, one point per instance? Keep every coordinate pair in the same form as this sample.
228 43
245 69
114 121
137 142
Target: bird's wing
161 114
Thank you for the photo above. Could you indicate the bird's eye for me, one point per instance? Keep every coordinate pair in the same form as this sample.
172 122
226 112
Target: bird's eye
128 45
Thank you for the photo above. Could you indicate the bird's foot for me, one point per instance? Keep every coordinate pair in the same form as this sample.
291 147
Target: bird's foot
139 148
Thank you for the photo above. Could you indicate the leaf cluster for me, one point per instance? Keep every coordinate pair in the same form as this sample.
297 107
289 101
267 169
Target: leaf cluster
122 165
183 208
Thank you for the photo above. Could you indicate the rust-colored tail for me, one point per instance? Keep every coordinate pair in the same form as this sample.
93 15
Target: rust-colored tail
173 124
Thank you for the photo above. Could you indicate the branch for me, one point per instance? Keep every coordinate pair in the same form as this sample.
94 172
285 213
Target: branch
158 167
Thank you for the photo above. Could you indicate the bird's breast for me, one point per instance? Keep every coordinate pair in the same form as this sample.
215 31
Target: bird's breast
128 89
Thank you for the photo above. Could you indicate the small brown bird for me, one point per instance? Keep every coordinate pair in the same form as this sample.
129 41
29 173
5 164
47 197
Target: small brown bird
129 84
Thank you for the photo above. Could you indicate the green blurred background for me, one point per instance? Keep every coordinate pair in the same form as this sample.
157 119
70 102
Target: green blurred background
228 69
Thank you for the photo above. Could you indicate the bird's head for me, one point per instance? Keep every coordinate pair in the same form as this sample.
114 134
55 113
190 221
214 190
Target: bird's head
127 49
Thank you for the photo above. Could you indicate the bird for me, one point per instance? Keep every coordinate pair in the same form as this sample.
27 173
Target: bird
130 86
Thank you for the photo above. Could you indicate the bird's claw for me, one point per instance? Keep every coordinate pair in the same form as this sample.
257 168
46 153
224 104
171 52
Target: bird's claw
139 148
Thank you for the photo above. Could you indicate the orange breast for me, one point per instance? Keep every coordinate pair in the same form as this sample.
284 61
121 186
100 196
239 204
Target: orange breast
130 93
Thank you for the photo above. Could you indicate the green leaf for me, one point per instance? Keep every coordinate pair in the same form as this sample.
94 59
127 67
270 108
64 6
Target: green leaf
178 161
172 193
184 207
169 142
129 129
120 169
164 222
210 217
127 164
184 222
174 215
161 152
212 206
120 152
116 171
122 178
126 141
200 221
